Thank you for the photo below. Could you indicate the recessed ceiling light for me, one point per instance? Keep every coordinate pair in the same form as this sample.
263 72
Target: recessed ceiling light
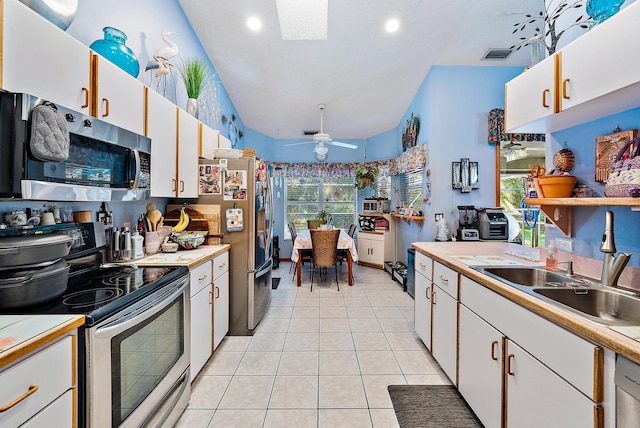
254 23
392 25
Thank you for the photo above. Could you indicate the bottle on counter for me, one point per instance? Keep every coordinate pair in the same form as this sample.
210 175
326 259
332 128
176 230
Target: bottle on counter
137 245
552 256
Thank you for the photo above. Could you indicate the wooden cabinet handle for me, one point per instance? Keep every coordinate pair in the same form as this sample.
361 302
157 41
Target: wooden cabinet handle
181 186
494 344
86 98
545 103
433 297
422 265
105 101
174 185
221 265
32 389
210 298
427 293
510 358
564 89
217 292
444 278
203 277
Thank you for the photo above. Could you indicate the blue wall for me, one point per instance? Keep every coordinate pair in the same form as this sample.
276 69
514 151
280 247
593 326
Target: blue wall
589 221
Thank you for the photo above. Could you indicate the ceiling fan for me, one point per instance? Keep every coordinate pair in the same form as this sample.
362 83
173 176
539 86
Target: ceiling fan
322 140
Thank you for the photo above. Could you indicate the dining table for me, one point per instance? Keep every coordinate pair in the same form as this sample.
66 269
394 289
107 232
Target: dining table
303 242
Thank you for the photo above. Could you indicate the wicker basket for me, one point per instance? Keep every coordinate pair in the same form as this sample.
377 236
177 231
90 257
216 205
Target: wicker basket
563 160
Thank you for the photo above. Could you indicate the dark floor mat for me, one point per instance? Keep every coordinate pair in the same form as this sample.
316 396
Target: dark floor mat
426 406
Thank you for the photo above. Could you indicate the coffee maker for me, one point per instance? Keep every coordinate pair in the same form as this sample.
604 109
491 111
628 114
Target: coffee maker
467 223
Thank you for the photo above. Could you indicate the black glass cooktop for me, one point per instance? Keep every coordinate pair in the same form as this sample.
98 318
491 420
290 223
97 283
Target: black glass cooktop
103 291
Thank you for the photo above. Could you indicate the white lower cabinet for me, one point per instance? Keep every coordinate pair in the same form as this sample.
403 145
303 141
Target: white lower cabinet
551 377
201 316
480 367
444 331
35 387
537 397
422 308
220 298
371 248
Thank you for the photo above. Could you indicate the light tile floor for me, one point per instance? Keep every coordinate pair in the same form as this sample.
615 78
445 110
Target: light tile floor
319 358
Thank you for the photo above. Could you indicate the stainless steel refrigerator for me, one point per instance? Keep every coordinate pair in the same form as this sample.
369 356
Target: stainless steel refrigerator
243 184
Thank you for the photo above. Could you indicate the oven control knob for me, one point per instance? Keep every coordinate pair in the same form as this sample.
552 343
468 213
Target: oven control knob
70 117
87 123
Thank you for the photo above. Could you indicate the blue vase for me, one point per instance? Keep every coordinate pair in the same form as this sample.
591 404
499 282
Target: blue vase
113 48
601 10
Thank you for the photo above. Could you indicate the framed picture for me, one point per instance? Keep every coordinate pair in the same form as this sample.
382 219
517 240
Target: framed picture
607 148
456 179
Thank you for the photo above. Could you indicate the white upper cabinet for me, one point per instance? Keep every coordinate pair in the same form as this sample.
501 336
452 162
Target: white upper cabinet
187 155
40 59
592 77
162 129
119 97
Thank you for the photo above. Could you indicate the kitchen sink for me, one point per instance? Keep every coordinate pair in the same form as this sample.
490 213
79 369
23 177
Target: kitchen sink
601 305
527 276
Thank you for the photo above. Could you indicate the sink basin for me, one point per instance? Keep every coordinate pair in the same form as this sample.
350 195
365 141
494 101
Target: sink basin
527 276
603 306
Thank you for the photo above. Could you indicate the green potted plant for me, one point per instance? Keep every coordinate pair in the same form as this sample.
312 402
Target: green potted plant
366 174
324 217
193 72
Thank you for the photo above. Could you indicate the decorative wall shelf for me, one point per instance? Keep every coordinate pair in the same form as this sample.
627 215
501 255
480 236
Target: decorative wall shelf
419 220
559 211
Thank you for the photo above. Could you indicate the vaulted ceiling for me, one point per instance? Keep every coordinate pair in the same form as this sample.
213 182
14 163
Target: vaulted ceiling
366 76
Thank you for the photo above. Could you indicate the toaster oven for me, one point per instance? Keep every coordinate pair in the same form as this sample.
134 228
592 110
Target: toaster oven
376 206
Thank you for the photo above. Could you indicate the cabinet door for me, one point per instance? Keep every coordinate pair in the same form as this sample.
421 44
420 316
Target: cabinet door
364 248
39 58
201 333
480 367
422 309
530 96
60 413
162 129
208 141
592 66
444 331
119 96
537 397
188 148
377 252
220 308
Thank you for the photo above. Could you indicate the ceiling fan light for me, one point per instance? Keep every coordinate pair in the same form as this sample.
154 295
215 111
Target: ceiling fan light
321 150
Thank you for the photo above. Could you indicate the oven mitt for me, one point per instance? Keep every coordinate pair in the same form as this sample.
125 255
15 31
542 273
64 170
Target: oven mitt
49 134
234 219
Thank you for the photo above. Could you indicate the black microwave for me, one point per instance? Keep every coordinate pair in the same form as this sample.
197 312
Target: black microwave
105 162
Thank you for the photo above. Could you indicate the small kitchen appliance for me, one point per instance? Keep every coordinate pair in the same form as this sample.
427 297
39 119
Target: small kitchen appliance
467 223
376 205
493 224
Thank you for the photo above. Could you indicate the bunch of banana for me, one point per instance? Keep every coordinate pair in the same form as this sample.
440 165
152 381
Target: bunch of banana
183 223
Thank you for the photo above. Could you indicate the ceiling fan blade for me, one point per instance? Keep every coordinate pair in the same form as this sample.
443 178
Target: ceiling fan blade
345 145
302 142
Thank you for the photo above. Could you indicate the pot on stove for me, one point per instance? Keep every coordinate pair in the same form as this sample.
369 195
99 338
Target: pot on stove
28 286
33 249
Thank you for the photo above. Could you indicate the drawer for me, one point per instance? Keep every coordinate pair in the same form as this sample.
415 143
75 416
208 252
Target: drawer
424 265
57 414
36 372
220 264
371 236
445 278
200 277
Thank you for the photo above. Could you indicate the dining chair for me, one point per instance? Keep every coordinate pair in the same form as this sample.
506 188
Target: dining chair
342 253
313 224
324 251
305 255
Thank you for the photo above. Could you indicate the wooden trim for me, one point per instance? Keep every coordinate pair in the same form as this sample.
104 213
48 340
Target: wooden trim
145 118
505 384
457 380
200 139
598 374
39 341
74 360
598 416
498 154
177 191
375 265
557 78
93 84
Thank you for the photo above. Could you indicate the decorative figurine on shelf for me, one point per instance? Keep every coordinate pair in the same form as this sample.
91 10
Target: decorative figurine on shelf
193 72
160 65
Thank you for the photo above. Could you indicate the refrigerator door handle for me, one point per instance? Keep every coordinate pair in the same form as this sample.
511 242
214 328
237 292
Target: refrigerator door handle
269 208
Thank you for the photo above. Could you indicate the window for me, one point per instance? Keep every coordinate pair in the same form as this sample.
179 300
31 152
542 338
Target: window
411 189
307 196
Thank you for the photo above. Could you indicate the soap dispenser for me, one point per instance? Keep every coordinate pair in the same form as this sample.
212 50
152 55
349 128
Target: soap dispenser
552 256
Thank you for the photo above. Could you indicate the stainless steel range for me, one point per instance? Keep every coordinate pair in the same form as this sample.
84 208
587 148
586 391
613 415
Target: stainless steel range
134 348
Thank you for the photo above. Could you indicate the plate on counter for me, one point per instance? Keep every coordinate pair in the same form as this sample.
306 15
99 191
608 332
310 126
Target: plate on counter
226 153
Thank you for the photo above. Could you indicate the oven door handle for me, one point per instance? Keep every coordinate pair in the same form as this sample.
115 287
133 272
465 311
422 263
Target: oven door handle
149 309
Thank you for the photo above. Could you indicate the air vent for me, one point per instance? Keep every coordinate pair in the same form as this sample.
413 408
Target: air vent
309 132
497 54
